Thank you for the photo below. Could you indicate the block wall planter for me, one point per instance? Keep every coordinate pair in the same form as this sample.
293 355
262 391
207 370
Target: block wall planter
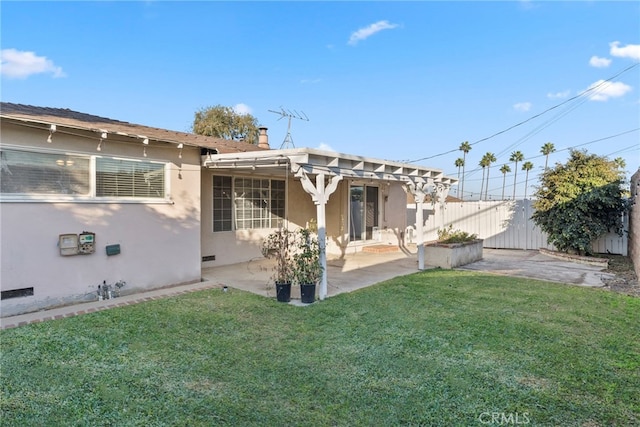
452 255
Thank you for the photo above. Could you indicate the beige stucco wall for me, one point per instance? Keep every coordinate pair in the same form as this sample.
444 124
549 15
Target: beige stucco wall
634 222
160 242
244 245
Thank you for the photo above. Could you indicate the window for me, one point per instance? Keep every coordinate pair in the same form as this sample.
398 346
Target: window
129 178
222 198
245 203
25 174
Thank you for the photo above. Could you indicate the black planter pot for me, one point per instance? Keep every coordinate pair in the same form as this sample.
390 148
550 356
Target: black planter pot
283 291
308 293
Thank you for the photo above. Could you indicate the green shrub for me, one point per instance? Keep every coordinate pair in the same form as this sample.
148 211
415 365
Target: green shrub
449 235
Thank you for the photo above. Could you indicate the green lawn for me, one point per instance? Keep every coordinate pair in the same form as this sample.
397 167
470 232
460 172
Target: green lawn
433 348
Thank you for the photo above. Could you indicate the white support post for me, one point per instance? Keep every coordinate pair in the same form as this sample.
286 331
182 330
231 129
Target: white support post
320 196
419 192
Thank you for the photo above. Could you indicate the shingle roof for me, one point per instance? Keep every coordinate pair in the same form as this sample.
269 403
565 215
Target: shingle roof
77 120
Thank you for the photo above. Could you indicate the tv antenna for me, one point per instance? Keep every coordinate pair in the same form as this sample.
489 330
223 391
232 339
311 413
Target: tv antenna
289 115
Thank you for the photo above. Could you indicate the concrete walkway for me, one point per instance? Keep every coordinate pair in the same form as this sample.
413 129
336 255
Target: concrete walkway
354 271
534 265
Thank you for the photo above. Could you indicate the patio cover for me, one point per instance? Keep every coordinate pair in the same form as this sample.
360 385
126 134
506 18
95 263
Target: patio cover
321 171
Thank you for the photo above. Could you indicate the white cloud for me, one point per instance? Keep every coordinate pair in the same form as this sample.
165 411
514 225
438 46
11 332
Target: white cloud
606 90
22 64
559 95
326 147
310 81
242 109
522 106
629 51
599 62
366 32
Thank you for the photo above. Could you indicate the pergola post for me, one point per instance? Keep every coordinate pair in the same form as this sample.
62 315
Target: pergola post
320 195
419 191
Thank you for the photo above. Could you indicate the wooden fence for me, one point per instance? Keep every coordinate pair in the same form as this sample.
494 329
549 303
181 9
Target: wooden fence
502 224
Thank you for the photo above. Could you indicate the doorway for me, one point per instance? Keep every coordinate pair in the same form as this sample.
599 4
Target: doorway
363 211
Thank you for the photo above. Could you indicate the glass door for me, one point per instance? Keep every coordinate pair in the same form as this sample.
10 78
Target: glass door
363 211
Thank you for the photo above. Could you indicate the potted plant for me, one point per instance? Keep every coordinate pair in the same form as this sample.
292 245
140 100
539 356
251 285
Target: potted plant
307 270
278 245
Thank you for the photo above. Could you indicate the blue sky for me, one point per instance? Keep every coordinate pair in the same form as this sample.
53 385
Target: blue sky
402 81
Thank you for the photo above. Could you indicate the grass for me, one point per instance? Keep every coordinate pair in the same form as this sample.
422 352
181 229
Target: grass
434 348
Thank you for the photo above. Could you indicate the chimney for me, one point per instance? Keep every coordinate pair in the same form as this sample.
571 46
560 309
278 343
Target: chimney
263 138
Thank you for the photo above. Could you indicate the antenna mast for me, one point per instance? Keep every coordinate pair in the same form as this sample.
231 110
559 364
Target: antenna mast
289 115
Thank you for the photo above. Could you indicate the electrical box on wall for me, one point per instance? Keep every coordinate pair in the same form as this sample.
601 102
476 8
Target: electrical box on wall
86 243
74 244
68 244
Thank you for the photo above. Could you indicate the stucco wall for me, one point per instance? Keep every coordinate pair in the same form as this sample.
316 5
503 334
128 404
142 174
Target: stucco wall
243 245
634 222
160 242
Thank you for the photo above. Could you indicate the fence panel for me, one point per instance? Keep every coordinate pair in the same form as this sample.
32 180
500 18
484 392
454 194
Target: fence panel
502 224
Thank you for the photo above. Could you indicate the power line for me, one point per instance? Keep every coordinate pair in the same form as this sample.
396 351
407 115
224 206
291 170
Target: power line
580 95
497 165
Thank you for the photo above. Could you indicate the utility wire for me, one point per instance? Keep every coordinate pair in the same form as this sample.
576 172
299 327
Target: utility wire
580 95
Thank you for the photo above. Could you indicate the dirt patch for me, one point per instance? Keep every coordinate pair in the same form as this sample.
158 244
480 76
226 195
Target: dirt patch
625 280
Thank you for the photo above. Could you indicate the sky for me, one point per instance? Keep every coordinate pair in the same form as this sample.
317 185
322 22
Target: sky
403 81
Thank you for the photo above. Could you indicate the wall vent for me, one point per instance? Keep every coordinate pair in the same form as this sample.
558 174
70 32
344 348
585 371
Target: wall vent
16 293
208 258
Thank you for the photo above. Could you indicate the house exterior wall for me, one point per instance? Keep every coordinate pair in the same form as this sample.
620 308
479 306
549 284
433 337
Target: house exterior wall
634 222
159 241
230 247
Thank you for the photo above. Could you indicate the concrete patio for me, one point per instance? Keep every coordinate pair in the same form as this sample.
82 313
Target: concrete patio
346 274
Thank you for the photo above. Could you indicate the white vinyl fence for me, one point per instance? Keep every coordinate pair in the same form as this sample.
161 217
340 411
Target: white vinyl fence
502 224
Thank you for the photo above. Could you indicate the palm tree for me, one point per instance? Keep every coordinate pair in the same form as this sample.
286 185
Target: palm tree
547 149
505 169
483 163
490 158
526 166
459 163
516 157
465 147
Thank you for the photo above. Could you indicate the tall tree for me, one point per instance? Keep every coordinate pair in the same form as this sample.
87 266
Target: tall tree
547 149
516 157
526 166
225 122
489 158
505 169
465 147
579 201
483 164
459 163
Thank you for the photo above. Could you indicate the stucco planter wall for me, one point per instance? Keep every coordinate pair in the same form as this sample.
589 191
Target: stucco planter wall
453 255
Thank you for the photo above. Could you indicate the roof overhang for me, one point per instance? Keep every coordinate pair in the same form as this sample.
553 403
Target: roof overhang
308 161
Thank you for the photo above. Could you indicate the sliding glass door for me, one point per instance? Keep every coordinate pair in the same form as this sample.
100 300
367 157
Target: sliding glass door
363 211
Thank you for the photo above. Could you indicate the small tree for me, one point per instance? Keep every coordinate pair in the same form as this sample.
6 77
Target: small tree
580 201
225 122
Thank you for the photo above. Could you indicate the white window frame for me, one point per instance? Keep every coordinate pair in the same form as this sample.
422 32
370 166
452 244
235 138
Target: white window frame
234 204
91 196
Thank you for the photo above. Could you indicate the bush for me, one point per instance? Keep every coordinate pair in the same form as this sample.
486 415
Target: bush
449 235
